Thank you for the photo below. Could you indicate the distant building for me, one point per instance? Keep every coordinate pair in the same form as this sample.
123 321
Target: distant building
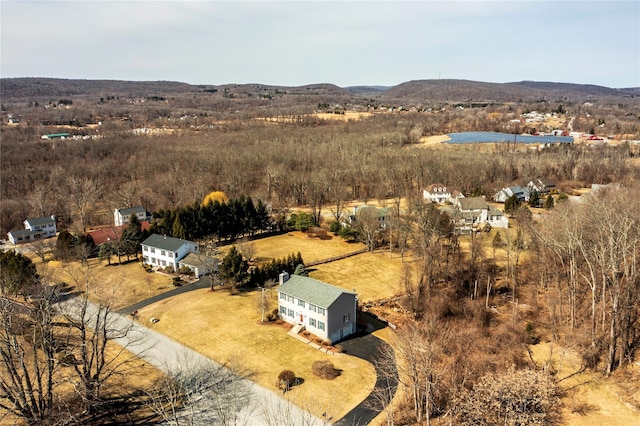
440 194
34 229
121 216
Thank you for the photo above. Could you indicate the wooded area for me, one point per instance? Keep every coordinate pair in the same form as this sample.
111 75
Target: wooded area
469 305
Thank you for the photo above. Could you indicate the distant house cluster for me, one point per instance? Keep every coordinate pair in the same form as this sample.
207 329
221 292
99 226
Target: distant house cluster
523 194
34 229
475 214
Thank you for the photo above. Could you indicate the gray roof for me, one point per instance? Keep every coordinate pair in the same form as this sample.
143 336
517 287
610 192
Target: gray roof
495 212
473 203
35 221
23 233
312 291
127 212
165 243
195 259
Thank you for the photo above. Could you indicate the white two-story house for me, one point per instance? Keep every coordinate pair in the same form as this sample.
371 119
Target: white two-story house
163 251
474 213
121 216
328 312
34 229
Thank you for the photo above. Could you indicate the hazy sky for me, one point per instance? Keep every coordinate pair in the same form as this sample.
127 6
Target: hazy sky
346 43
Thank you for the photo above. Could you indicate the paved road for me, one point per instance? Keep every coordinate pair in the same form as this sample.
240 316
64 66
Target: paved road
368 347
364 345
260 407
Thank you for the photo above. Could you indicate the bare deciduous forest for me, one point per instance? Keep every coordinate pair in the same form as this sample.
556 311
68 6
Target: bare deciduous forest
472 306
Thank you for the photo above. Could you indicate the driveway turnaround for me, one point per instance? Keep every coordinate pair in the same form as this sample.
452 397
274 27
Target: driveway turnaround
368 347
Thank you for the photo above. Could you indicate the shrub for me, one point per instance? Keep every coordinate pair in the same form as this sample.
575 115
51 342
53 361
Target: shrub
335 227
286 379
185 270
169 269
325 370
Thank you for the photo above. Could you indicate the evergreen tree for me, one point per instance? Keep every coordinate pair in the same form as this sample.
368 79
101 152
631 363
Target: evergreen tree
511 205
18 273
534 198
548 202
234 268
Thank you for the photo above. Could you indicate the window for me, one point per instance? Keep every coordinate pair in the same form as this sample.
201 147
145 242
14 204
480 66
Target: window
145 248
320 325
346 318
312 308
146 259
164 253
283 310
152 249
290 299
301 302
291 313
171 254
283 296
312 322
164 263
320 310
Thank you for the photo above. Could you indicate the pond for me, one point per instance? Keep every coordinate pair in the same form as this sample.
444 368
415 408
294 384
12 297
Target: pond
493 137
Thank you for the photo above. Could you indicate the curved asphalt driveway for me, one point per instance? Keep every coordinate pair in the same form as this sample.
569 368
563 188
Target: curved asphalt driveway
368 347
365 346
201 283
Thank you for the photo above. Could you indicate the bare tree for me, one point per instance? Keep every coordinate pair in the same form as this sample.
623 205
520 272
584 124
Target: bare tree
93 327
28 358
197 391
83 192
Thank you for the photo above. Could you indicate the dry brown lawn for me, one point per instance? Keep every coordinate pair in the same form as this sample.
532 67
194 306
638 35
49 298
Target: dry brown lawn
227 328
373 276
126 284
311 249
593 394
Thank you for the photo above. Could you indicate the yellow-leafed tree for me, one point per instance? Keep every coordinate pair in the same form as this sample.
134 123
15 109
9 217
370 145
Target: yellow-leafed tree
214 196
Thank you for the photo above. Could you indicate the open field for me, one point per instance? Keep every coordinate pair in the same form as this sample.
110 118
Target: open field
373 276
592 394
227 328
312 249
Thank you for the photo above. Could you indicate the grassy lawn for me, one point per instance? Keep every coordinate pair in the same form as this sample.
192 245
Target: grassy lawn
227 328
126 284
312 249
373 275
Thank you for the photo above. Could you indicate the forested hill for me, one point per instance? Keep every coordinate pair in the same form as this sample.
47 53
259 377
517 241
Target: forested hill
411 92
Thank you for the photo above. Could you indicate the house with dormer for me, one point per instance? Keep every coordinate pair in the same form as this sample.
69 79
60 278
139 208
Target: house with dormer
162 251
324 310
440 194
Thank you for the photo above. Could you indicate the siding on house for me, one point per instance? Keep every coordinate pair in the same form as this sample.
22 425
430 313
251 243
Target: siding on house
34 228
163 251
121 216
327 311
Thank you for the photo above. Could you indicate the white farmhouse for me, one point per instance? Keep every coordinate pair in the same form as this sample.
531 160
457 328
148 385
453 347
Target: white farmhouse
34 229
163 251
440 194
121 216
328 312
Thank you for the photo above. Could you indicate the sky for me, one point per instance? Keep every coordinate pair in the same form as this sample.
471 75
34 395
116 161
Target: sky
293 43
